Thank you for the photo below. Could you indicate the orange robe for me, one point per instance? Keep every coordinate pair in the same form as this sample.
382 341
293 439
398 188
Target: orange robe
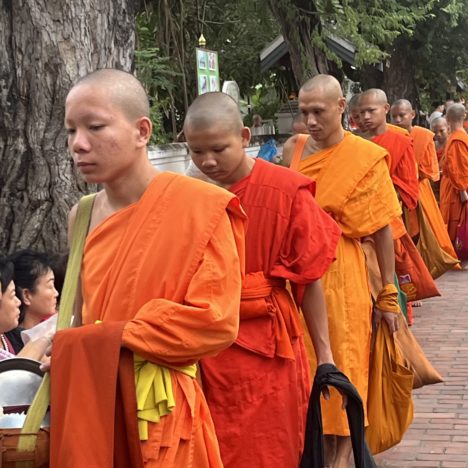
455 179
403 172
354 186
428 167
397 129
258 389
167 270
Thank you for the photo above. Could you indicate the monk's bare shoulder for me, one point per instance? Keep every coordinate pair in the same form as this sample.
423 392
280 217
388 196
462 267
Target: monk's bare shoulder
288 150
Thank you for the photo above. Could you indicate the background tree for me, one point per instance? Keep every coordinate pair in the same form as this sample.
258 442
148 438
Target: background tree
237 30
306 25
44 47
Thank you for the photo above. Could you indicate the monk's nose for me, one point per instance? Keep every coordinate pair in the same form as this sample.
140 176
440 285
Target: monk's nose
209 162
78 142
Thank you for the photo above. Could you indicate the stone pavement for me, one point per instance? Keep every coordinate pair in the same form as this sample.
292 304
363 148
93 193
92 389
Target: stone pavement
438 436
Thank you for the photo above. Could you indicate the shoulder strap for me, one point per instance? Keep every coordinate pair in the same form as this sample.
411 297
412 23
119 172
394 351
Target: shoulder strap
41 401
298 149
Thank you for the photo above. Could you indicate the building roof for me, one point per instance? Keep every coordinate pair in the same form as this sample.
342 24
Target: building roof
278 48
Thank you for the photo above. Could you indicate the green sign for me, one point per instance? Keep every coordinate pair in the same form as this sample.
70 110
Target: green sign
207 71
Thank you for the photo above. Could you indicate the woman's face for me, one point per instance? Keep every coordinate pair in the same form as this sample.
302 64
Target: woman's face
9 309
43 300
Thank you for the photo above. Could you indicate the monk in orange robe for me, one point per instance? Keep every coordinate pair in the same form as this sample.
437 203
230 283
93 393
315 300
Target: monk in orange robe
441 133
454 185
354 117
358 193
403 172
258 389
402 113
397 129
161 282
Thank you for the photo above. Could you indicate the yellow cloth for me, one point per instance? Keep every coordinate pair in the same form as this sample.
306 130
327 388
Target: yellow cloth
154 394
387 300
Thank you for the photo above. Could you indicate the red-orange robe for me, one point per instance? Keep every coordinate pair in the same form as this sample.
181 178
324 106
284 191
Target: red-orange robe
167 272
354 186
258 389
402 165
403 172
455 179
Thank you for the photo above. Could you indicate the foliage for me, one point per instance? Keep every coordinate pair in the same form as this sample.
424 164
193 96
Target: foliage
237 30
264 102
157 76
369 25
439 49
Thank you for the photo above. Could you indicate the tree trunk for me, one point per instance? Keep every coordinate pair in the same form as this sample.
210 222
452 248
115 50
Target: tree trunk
399 74
297 29
45 46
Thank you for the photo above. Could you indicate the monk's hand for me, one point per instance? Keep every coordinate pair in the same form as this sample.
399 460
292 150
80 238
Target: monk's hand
391 319
463 196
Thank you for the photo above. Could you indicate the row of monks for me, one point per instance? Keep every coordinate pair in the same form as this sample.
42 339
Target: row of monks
236 279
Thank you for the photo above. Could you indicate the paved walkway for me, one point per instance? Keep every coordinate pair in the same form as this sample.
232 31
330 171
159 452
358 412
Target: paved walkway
438 436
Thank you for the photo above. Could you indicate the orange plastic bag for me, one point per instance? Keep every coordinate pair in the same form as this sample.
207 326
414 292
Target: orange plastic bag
389 401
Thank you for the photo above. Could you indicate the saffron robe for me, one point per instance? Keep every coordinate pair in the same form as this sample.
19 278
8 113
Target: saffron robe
354 187
455 179
428 167
397 129
425 152
258 389
169 269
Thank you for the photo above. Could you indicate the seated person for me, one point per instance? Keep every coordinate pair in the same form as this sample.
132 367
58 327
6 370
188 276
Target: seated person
34 279
9 316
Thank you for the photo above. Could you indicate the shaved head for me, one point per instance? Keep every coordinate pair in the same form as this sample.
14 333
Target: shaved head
456 113
373 109
402 114
353 103
328 84
403 103
376 95
438 122
211 109
124 90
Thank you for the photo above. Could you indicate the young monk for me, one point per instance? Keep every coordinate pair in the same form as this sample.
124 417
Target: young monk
258 389
454 185
441 133
162 273
354 116
374 108
402 114
354 186
403 171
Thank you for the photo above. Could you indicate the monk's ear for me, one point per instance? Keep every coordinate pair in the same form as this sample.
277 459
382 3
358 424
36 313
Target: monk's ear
144 128
245 134
341 105
387 107
413 114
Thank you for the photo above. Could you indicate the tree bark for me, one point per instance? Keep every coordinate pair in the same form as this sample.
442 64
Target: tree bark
45 46
297 29
399 74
